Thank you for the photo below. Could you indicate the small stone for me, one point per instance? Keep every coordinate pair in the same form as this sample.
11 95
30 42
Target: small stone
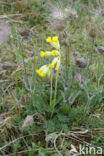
81 62
100 49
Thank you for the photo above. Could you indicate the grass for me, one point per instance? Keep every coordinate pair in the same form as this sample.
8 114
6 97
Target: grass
43 116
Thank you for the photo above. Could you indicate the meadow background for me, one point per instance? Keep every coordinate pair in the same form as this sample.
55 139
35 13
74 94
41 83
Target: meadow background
29 125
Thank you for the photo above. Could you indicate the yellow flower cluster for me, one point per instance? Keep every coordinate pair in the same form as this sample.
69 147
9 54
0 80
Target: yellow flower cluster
54 42
46 69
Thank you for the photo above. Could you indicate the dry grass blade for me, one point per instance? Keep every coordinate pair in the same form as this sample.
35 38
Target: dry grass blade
3 147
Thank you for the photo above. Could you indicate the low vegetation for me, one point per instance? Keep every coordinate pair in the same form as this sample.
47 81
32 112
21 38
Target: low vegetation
51 77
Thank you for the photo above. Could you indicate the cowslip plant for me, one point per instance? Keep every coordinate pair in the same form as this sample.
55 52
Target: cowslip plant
47 70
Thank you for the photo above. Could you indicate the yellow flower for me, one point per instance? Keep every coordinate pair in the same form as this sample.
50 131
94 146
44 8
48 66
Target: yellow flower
53 52
49 39
55 39
54 42
56 68
42 53
52 65
42 74
58 64
43 71
38 71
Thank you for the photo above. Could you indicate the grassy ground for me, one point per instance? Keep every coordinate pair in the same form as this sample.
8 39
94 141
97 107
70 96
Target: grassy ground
51 115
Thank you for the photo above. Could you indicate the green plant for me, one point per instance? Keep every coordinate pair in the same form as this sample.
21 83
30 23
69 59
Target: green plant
53 67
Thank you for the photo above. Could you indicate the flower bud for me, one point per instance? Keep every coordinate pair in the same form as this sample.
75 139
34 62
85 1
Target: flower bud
81 62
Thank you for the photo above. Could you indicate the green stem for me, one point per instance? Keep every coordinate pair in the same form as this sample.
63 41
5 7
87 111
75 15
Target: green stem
55 94
34 65
24 64
68 57
51 89
67 61
46 133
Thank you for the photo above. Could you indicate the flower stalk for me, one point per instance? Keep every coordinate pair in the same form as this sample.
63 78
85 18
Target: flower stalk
47 70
